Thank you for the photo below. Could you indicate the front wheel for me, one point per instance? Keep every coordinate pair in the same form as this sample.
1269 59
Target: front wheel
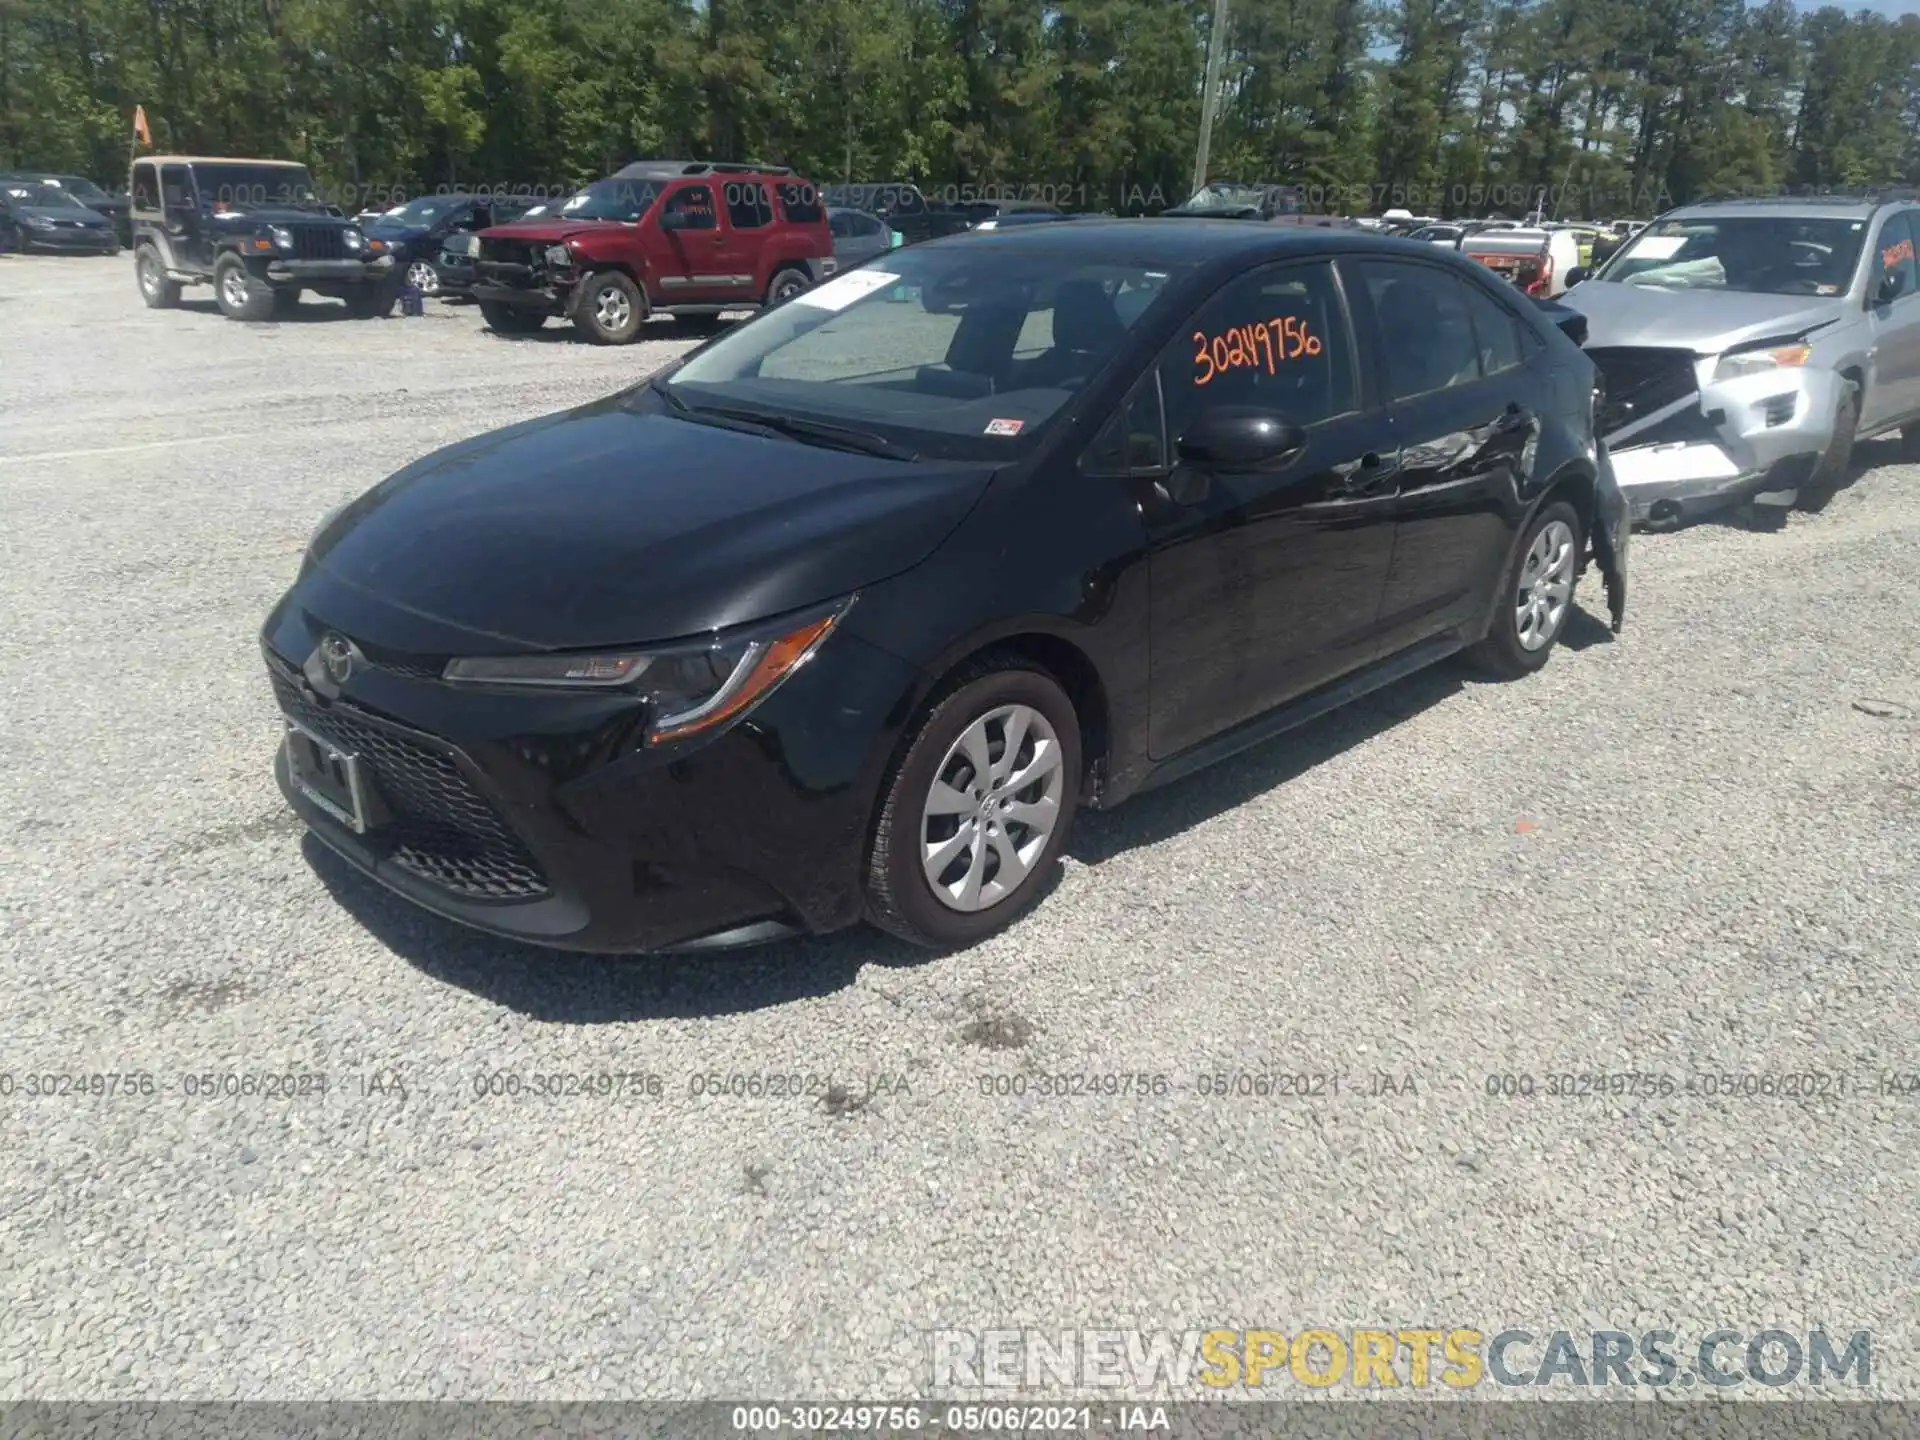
976 814
423 277
609 308
510 319
242 296
1831 473
1535 596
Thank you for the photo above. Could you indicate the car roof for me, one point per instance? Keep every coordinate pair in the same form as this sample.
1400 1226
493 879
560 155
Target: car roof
214 160
1188 241
1783 207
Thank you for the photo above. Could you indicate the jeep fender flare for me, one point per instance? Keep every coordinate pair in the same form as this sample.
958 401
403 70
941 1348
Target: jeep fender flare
162 244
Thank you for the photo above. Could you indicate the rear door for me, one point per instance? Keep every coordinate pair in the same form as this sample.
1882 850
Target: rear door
749 224
1894 394
1266 584
1461 396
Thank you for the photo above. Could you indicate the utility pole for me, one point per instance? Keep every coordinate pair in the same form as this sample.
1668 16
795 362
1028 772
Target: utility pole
1210 101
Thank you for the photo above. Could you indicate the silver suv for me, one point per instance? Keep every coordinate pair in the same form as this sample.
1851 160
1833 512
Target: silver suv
1746 344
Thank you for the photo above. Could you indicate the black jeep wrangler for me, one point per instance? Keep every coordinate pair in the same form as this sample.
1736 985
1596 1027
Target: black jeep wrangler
257 231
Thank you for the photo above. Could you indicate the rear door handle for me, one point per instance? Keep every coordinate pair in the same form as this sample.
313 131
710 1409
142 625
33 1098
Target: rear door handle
1369 473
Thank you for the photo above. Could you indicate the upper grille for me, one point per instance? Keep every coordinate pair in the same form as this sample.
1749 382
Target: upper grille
1640 381
443 830
319 242
511 262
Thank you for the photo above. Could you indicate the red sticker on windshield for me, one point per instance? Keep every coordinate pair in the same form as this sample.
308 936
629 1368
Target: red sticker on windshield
1005 427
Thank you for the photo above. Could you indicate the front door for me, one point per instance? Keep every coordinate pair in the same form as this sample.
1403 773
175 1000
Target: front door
1461 399
1266 584
1894 392
187 236
695 267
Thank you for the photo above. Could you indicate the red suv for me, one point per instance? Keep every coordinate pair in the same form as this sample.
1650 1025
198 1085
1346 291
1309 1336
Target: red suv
673 237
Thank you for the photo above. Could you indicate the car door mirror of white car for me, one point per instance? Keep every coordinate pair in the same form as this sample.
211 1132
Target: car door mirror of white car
1892 286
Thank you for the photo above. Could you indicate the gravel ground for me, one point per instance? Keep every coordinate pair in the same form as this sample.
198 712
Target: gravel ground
1686 850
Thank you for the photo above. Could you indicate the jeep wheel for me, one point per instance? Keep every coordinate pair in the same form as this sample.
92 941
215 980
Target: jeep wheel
785 285
1831 473
609 309
241 296
423 277
372 300
156 289
510 319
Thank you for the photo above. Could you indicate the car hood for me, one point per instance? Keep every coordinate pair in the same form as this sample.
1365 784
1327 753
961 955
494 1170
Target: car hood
536 232
279 215
61 212
608 525
392 230
1704 321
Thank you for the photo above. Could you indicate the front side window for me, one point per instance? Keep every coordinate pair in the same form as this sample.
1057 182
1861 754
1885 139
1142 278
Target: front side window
146 188
1425 329
1134 441
695 202
173 185
951 352
234 186
1275 339
1896 252
1757 254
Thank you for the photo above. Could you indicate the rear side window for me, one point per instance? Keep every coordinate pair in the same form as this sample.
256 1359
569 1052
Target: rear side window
1495 328
1426 331
146 188
748 207
801 202
1898 238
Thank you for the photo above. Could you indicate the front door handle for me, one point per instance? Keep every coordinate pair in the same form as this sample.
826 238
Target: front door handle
1369 473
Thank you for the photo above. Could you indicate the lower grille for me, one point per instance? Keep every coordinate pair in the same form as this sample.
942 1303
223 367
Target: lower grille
508 262
443 830
319 242
1640 381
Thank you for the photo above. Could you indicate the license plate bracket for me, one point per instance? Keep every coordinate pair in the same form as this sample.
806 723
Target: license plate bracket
330 777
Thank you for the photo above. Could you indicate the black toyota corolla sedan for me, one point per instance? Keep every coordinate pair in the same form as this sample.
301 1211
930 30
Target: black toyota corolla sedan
843 615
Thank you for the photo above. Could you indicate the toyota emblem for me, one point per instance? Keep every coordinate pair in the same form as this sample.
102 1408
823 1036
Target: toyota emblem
336 657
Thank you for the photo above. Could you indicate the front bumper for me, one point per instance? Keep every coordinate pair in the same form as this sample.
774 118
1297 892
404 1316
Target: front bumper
330 272
1735 440
87 242
549 299
537 817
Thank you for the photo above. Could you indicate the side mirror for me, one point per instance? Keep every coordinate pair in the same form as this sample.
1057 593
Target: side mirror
1576 275
1229 437
1892 285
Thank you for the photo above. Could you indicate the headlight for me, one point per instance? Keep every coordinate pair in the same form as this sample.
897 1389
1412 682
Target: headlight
354 240
559 256
1737 363
689 689
39 222
281 236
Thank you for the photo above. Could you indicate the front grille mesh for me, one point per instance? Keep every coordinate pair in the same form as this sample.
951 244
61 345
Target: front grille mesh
1640 381
443 830
319 242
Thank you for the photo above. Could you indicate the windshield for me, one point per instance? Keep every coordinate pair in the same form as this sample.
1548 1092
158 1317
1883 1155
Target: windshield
235 185
43 197
1758 255
949 352
611 200
80 188
422 213
1222 194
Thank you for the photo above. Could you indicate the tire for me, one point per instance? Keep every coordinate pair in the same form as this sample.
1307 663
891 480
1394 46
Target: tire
1535 597
986 700
286 303
156 289
423 277
1831 473
698 324
510 319
1910 444
372 300
608 308
241 296
785 284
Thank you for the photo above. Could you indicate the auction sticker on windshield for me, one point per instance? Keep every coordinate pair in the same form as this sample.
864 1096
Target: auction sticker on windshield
843 290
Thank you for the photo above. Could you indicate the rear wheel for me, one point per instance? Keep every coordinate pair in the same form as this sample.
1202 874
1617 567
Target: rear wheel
241 296
1831 473
510 319
1535 596
975 816
156 289
609 308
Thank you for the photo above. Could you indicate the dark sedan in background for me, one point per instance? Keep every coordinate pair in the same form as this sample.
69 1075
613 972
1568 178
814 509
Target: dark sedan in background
415 233
454 265
117 208
846 613
47 217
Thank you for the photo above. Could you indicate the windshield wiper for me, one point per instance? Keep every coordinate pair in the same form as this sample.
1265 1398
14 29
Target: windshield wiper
811 432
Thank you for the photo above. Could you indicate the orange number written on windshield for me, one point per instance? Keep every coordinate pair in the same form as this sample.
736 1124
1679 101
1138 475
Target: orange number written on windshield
1243 347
